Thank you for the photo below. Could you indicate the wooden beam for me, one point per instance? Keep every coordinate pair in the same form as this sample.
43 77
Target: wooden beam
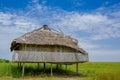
23 69
51 70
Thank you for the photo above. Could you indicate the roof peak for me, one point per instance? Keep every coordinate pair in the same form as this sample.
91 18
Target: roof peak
45 27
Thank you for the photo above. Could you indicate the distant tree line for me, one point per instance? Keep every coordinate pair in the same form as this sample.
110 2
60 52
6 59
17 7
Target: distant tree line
4 61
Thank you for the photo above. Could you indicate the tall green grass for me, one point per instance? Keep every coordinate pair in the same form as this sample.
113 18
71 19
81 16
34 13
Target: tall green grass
87 71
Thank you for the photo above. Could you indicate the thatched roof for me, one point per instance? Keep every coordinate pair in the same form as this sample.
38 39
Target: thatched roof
45 36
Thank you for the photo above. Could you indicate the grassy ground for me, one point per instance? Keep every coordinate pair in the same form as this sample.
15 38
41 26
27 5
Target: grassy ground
87 71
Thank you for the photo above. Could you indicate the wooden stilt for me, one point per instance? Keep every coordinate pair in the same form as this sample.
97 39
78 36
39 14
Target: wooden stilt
77 68
44 66
57 66
60 65
69 68
23 69
18 65
66 68
51 70
38 66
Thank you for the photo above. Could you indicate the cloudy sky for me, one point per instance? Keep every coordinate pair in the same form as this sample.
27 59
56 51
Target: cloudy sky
95 23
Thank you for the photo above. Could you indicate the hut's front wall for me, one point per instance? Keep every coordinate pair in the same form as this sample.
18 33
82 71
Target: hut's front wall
46 53
53 57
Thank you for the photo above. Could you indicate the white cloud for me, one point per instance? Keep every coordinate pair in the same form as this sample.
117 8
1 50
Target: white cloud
13 23
88 45
5 19
116 14
99 26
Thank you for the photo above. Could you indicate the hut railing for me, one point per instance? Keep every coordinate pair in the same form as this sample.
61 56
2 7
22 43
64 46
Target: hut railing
37 56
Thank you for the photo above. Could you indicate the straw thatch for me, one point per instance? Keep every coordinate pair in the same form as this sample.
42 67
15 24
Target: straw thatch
46 36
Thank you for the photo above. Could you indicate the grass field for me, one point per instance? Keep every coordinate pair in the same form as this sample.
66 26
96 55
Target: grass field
87 71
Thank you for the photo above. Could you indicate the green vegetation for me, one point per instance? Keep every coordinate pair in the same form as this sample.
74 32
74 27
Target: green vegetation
4 61
87 71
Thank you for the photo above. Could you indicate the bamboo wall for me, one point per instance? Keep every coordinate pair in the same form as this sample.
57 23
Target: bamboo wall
54 57
46 53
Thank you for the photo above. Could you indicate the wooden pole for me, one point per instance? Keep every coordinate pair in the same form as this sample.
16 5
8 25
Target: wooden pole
44 66
66 68
60 66
38 66
18 65
57 66
23 69
77 68
51 70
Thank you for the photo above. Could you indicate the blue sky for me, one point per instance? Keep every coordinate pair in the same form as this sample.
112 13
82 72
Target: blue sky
95 23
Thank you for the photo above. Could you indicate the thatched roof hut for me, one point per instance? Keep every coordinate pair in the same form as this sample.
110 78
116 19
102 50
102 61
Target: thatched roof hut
47 45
